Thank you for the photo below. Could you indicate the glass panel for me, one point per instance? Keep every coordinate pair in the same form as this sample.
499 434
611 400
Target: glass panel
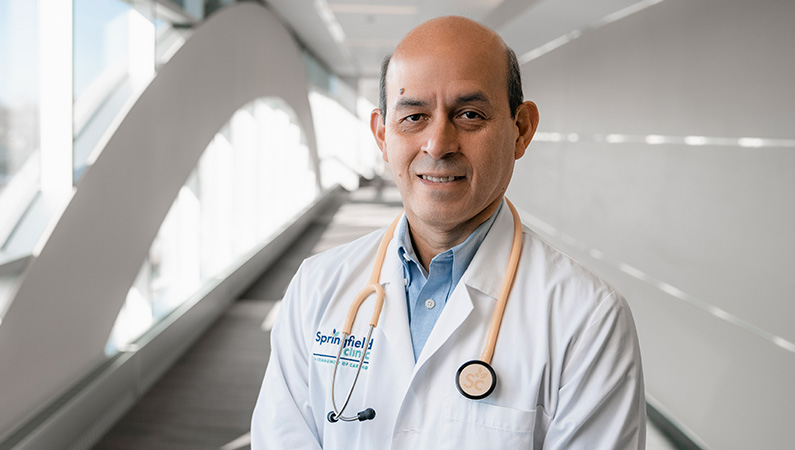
196 7
253 177
168 40
345 146
174 256
19 120
101 47
114 56
322 80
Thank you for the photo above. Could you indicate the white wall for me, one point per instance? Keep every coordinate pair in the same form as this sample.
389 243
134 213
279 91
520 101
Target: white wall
701 238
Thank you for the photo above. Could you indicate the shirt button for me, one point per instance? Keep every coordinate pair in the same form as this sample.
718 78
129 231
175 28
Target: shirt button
430 303
405 282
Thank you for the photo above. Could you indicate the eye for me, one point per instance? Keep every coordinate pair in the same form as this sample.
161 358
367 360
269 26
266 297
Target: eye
413 118
471 115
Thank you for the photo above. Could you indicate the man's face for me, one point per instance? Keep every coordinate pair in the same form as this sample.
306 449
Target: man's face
449 137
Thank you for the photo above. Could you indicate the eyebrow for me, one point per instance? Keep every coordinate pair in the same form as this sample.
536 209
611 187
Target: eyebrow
474 97
409 103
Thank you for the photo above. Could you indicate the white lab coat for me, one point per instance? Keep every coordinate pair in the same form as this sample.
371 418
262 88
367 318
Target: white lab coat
567 358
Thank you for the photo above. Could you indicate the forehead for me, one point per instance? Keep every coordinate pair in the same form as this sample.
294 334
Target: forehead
437 71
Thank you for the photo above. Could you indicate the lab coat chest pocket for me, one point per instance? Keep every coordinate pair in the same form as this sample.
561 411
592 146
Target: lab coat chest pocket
469 424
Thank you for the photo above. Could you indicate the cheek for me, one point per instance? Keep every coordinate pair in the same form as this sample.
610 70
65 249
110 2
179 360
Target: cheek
496 170
397 164
397 156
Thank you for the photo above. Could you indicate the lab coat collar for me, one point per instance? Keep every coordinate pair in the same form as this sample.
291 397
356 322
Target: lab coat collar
394 322
487 269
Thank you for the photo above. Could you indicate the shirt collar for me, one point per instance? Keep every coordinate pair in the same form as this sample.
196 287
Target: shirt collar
462 253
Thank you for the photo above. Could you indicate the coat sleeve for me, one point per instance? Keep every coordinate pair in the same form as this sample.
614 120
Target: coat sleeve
601 400
283 415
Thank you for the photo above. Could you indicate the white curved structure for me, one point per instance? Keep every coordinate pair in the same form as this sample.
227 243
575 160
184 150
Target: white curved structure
55 330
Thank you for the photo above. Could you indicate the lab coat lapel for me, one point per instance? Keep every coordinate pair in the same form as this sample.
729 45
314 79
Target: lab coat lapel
394 322
487 269
480 283
458 308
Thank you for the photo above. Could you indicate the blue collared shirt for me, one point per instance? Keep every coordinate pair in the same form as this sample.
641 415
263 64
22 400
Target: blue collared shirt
427 292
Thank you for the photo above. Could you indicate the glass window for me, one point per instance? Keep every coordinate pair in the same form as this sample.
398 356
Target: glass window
254 176
168 40
101 45
114 56
196 7
345 146
19 111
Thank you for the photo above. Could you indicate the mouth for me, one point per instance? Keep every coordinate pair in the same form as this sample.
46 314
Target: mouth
440 179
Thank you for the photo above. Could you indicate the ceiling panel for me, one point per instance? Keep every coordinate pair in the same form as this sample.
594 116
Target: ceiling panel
548 20
371 28
376 26
303 19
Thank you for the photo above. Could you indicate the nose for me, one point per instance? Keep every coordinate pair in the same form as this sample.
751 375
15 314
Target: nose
442 139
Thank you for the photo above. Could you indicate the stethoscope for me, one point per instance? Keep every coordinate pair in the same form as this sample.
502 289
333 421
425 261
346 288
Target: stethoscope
475 379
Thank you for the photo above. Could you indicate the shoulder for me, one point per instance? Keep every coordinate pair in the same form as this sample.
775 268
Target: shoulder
555 266
322 276
569 289
581 313
546 277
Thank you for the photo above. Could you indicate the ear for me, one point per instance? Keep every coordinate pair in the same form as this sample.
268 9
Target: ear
526 123
379 130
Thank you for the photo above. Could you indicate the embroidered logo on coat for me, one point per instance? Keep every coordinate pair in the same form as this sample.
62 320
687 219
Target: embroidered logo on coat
327 346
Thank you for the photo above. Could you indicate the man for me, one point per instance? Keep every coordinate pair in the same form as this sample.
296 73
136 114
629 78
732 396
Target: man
451 125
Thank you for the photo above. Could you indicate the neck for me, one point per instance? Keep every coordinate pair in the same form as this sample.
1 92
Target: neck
429 240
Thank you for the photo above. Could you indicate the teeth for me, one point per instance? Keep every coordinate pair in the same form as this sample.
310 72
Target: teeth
438 179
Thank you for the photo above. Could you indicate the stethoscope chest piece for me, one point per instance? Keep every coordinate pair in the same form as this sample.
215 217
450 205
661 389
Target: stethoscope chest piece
475 379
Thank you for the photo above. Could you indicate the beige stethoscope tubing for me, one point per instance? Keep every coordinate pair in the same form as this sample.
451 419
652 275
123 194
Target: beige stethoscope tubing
374 287
505 289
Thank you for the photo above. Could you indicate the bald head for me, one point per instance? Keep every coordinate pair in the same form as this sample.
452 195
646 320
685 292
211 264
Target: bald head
451 35
449 30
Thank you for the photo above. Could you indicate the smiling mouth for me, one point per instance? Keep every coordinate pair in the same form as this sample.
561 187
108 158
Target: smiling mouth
440 179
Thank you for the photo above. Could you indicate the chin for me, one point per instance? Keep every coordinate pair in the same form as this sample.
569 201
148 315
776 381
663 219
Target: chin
439 215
